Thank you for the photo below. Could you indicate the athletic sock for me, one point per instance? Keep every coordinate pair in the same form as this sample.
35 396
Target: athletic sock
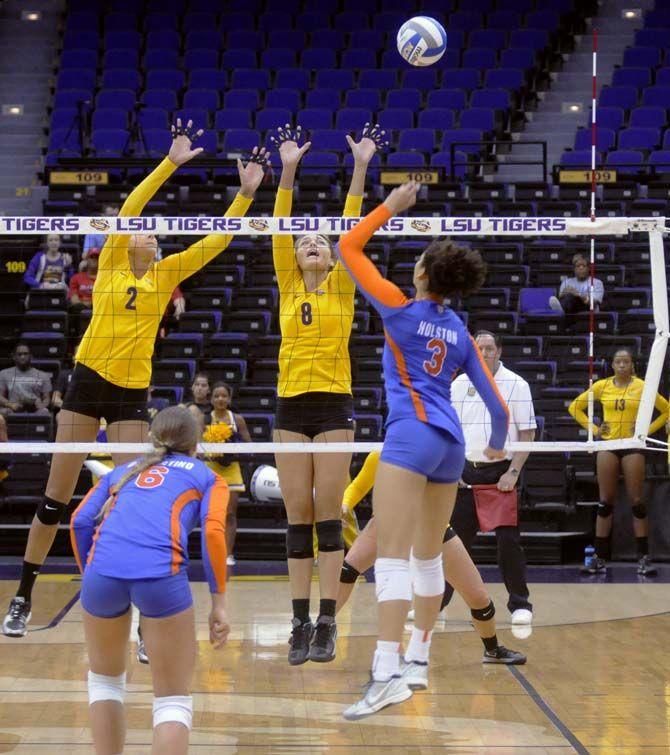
29 574
386 661
327 607
602 547
490 643
301 609
642 546
418 648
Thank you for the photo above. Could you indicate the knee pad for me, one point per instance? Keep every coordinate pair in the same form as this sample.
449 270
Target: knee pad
50 512
175 709
392 580
349 574
604 510
299 541
483 614
450 534
102 687
639 510
427 576
329 536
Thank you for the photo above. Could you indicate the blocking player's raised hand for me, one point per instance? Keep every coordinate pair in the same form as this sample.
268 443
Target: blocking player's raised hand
183 137
252 171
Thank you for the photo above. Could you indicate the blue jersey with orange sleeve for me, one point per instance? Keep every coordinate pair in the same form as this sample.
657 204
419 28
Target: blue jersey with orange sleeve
145 531
426 344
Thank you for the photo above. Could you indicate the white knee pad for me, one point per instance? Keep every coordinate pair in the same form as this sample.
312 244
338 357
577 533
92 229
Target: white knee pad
427 576
177 708
102 687
392 580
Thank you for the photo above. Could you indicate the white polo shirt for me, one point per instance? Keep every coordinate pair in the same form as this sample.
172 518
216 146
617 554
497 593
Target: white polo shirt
474 415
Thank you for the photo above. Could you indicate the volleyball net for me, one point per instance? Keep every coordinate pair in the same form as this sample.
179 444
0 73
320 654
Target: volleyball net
471 230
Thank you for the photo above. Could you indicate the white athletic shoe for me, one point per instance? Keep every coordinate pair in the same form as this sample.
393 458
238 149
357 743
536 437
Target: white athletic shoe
230 561
522 616
378 695
414 674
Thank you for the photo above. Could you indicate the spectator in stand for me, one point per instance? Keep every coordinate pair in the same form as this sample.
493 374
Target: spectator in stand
573 295
177 305
22 387
200 392
97 240
49 268
80 293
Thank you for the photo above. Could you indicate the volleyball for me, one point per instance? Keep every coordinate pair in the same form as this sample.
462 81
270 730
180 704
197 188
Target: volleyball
422 41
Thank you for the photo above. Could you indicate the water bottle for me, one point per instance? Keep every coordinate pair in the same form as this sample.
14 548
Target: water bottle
589 556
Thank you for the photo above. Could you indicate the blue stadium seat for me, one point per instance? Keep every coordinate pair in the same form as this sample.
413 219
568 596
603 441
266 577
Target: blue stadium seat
389 21
505 20
624 97
651 38
160 59
359 58
439 118
384 79
504 78
625 160
419 139
656 96
235 21
241 139
318 59
351 20
121 78
153 117
64 139
331 140
245 99
663 75
315 118
635 77
120 22
491 39
204 40
292 78
288 98
481 6
499 99
326 99
165 99
272 118
83 20
313 20
163 40
368 6
246 38
61 118
109 118
482 118
332 39
420 78
109 141
443 160
69 98
198 22
208 78
532 39
647 57
373 166
204 99
405 98
648 117
373 39
406 160
120 58
175 6
161 21
659 18
535 300
543 19
639 138
278 58
611 117
454 99
519 58
78 59
250 78
463 135
232 118
321 163
332 78
165 80
660 159
465 20
121 99
480 57
271 20
463 78
196 59
199 116
236 58
80 40
363 98
579 158
76 78
396 118
605 139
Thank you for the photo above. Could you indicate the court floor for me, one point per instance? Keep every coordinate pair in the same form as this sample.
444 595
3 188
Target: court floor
597 678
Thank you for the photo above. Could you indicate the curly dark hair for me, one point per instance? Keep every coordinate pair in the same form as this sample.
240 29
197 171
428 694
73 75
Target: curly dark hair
453 269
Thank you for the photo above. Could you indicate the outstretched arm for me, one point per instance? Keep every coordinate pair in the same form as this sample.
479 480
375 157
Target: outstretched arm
362 484
84 521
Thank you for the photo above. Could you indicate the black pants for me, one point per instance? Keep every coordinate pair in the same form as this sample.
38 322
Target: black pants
511 559
572 304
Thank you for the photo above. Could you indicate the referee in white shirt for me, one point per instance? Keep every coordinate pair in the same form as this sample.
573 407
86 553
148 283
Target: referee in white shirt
478 470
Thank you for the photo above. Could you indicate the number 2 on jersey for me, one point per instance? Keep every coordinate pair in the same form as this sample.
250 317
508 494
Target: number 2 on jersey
132 292
153 477
306 313
433 366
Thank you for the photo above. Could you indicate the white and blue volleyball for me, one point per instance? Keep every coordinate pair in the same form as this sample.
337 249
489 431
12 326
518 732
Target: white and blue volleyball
422 41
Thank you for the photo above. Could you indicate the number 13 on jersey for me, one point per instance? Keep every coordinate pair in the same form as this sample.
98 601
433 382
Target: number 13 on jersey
438 349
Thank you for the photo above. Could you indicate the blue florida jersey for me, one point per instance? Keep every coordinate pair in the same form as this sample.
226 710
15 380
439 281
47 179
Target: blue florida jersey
145 531
426 344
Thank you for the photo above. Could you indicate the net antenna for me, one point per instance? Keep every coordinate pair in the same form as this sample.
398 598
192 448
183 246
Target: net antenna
592 260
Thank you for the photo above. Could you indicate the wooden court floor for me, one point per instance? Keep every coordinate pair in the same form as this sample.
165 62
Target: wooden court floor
597 679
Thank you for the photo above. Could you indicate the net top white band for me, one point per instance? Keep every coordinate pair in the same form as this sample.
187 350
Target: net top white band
266 226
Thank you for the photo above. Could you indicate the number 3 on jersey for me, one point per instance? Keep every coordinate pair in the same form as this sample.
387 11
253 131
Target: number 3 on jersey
153 477
433 366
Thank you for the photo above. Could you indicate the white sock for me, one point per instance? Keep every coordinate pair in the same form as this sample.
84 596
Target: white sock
418 648
386 661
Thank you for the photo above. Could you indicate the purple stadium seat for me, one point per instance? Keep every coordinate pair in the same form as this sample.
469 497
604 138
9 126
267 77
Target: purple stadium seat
406 160
250 78
652 37
605 139
278 58
199 116
663 75
199 59
656 96
204 40
332 39
273 20
491 39
326 99
81 40
542 19
232 118
504 20
482 118
246 39
639 138
245 99
120 22
533 39
321 163
657 19
333 78
535 300
383 79
121 78
404 98
331 140
518 57
454 99
61 118
353 119
236 59
161 21
417 139
313 20
625 160
443 160
198 22
272 118
84 20
288 98
109 118
463 78
424 79
208 78
635 77
205 99
122 99
351 20
76 78
239 139
64 138
437 118
69 98
624 97
315 118
363 98
465 20
163 40
480 57
160 59
389 21
373 39
581 158
238 20
648 117
78 59
109 141
359 58
481 6
504 78
396 118
165 99
463 135
499 99
165 80
610 117
318 59
153 117
646 57
292 78
660 159
125 57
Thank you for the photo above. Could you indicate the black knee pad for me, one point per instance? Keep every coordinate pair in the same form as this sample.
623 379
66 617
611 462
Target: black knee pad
349 574
299 542
50 512
639 510
449 534
329 535
604 510
484 614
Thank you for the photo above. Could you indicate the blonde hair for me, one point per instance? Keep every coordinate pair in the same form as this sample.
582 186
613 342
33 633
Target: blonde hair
329 243
174 430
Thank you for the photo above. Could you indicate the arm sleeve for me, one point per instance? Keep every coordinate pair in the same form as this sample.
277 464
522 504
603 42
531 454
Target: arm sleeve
476 369
177 267
577 407
83 523
383 295
213 509
30 276
662 406
114 254
362 484
283 254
